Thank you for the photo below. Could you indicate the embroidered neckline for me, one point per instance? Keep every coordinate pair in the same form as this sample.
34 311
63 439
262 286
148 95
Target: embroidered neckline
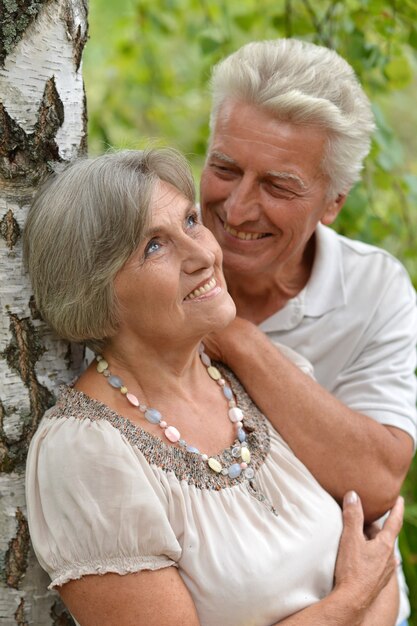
185 465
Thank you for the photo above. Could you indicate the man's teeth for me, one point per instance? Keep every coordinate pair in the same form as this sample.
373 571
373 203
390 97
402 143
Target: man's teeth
241 235
203 289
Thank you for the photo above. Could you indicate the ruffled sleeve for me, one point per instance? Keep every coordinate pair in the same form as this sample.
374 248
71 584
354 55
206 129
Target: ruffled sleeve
94 504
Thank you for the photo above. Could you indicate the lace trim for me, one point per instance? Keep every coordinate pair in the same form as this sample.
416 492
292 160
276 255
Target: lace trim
119 565
185 465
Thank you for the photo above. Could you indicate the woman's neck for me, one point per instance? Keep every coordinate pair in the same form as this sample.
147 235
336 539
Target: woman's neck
156 370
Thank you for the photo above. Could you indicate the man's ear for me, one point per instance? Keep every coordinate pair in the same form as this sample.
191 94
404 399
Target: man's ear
333 208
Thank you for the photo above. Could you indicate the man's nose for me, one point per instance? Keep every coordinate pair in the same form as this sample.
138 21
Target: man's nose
243 203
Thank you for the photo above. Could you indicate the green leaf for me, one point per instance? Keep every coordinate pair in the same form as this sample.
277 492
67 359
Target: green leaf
398 71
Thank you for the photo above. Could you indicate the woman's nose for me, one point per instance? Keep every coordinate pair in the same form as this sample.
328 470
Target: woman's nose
200 253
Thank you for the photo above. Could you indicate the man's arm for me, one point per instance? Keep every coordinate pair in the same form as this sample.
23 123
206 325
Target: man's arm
343 449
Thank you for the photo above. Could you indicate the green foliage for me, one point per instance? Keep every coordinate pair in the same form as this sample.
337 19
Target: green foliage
147 69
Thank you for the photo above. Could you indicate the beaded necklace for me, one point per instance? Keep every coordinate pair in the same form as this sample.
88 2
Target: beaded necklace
240 449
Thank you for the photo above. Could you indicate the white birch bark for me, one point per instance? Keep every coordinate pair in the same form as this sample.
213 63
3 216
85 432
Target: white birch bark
42 122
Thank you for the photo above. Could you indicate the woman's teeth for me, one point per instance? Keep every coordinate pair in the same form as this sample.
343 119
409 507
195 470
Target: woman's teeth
242 235
203 289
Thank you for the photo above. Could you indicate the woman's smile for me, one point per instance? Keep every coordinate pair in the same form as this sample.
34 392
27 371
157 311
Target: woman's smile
205 290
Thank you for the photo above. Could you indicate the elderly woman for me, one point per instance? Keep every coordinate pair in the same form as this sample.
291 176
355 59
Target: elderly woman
157 492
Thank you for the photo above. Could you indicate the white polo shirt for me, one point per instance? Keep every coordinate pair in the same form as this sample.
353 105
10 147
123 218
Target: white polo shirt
356 322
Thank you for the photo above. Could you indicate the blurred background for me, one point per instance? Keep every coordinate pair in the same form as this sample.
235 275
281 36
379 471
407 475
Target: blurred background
147 68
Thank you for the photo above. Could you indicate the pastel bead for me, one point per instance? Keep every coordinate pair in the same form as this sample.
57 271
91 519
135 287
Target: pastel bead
244 466
163 424
172 434
132 399
228 393
115 382
249 473
215 465
235 414
153 416
123 390
205 359
102 365
235 470
241 435
236 452
245 454
193 450
214 373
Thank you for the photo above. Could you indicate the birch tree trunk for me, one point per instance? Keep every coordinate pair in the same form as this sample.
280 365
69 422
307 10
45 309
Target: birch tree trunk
42 122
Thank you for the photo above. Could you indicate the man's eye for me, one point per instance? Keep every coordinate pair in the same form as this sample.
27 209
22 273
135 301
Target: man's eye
153 246
221 169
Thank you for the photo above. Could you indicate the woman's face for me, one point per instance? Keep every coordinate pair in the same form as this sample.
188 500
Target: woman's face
172 288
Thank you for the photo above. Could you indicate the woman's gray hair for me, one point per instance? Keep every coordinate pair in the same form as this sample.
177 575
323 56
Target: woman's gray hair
304 84
84 224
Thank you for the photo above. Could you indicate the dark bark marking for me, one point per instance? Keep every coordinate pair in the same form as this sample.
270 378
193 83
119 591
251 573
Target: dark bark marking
75 32
34 311
3 441
60 616
17 553
9 229
20 614
15 18
26 157
22 353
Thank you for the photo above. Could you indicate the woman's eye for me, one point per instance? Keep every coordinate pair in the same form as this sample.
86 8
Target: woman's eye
192 219
153 246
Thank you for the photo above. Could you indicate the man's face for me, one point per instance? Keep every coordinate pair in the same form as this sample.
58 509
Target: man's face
263 190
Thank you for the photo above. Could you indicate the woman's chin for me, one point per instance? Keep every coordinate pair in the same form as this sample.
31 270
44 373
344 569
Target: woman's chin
225 314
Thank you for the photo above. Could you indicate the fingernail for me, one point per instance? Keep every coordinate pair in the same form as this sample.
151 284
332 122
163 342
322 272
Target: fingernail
350 498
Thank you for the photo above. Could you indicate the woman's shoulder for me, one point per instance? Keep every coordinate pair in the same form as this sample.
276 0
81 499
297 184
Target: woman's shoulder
76 434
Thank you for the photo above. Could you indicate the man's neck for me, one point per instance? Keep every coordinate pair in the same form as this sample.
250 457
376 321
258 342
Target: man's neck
258 296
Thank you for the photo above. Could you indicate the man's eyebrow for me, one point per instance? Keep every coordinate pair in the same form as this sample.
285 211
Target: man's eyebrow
222 157
283 176
286 176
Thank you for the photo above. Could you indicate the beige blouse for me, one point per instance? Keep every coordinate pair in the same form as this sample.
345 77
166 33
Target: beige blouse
104 495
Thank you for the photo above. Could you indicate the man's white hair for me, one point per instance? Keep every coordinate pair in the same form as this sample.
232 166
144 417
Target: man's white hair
307 85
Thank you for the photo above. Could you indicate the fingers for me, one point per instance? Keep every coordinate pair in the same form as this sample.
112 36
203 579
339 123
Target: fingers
352 512
372 530
353 519
394 520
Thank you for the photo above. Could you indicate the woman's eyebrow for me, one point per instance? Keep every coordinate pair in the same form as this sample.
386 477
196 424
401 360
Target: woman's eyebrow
154 230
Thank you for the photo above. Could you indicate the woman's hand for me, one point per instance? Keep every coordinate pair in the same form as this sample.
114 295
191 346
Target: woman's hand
365 591
366 565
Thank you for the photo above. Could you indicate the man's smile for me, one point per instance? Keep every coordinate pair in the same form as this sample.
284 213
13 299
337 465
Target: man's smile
243 235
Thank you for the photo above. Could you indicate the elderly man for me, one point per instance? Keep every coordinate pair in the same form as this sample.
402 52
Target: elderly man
290 129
